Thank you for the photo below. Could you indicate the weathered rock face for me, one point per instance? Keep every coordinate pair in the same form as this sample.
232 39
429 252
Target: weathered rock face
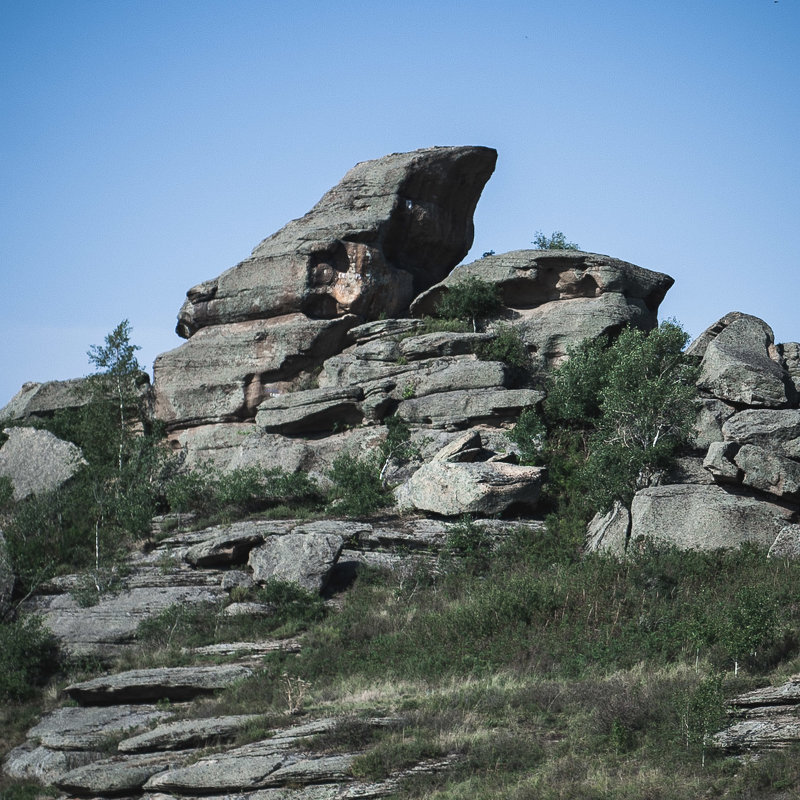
608 533
787 543
789 353
705 517
559 297
79 728
105 629
311 410
391 228
223 372
778 430
740 363
43 399
36 461
305 558
764 719
171 683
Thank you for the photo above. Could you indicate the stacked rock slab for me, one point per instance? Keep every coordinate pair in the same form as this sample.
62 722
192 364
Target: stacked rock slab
390 229
44 399
748 444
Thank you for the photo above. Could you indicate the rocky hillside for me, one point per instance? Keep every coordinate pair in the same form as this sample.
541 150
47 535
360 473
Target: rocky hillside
320 344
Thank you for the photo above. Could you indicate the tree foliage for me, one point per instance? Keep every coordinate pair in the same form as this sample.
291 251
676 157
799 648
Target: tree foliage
556 241
471 299
614 418
85 523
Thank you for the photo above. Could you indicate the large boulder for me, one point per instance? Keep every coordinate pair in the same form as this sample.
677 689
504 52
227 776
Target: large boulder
36 461
740 363
482 488
464 477
391 228
559 297
695 517
608 533
764 470
44 399
224 372
305 557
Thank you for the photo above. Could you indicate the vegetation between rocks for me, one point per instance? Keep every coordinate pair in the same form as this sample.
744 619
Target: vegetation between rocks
539 675
522 671
614 420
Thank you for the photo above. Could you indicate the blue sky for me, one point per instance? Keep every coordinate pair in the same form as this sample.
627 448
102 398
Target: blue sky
146 146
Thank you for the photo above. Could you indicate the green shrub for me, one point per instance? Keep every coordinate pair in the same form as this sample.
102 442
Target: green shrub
52 532
470 541
28 655
208 491
356 488
182 626
507 346
435 325
471 299
751 625
556 241
704 713
293 604
112 499
614 418
395 752
529 435
6 493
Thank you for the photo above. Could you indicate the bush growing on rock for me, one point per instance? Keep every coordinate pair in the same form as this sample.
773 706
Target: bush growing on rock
356 488
472 299
556 241
27 655
111 500
506 346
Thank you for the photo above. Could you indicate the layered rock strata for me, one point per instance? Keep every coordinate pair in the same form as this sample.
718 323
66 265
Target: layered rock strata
391 228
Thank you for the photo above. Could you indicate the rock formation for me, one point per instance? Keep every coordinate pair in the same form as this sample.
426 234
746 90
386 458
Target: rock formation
289 363
44 399
557 298
391 228
745 485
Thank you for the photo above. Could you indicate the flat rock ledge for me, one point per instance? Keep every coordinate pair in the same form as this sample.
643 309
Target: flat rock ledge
170 683
763 719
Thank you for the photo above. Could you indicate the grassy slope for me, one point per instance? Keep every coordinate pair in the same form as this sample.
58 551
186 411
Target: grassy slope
547 677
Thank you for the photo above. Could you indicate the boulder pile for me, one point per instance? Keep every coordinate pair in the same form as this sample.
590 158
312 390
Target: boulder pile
742 481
